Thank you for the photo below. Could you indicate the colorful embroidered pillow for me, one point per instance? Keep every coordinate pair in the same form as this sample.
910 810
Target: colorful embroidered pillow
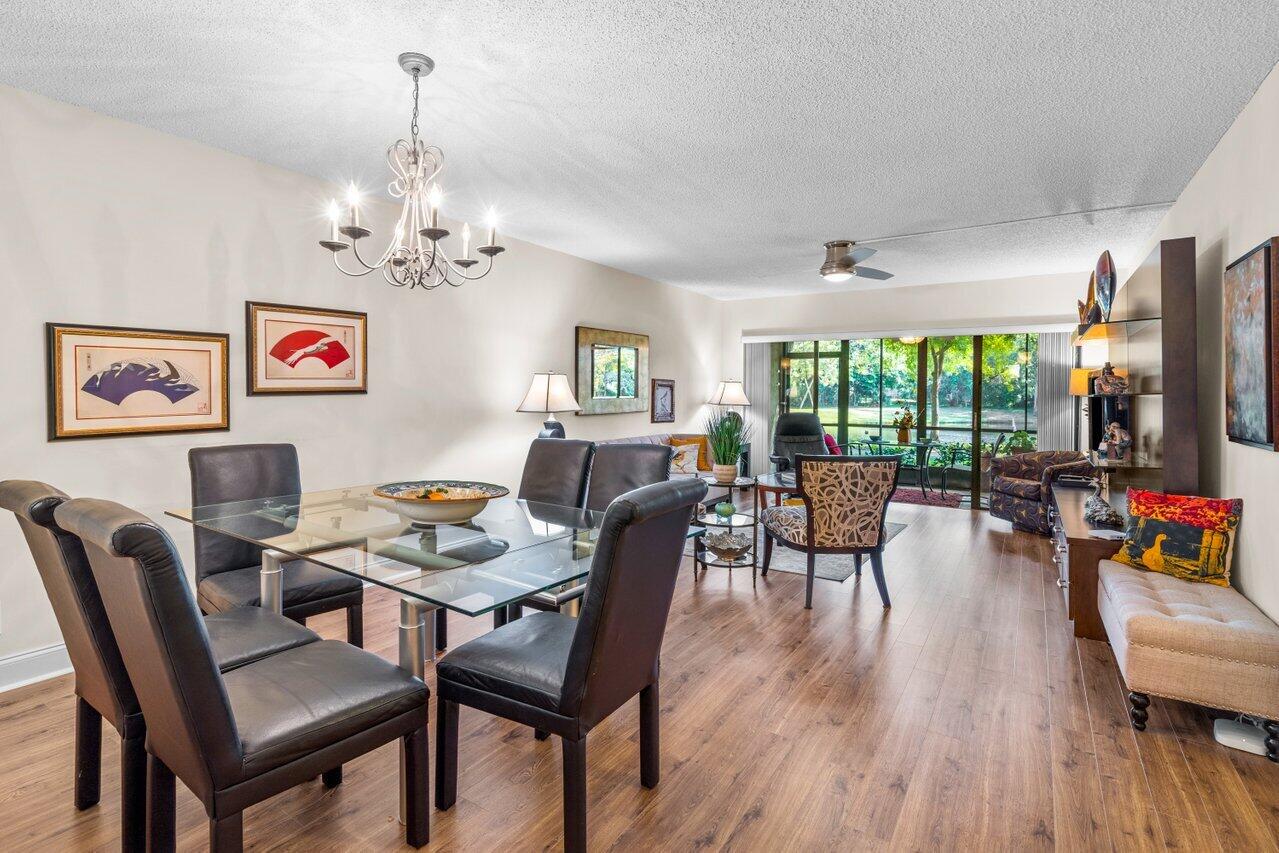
1184 536
684 459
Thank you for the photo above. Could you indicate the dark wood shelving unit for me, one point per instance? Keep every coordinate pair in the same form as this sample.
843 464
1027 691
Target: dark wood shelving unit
1152 334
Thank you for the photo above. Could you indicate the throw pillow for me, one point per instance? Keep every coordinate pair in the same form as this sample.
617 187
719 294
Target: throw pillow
832 445
1184 536
703 449
684 458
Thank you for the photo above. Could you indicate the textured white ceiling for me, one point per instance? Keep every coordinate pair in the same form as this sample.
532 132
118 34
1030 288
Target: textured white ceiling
712 145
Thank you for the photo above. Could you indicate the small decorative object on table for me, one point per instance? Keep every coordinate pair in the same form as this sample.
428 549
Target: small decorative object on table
724 509
1109 382
440 501
727 545
1097 510
726 433
1090 311
1116 442
1105 283
904 420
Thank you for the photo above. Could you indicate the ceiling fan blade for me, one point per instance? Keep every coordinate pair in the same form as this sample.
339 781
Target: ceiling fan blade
861 253
871 272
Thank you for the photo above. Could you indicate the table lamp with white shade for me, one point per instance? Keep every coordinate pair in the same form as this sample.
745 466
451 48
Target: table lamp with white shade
730 393
549 393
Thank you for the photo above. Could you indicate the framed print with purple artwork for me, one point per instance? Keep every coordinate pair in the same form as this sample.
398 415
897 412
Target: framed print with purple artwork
1250 316
106 381
297 350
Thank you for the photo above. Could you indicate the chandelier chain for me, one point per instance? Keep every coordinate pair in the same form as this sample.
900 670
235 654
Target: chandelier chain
413 124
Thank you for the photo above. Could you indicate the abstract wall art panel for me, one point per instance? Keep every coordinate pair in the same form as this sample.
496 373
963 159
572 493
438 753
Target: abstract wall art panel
297 350
1249 318
109 381
663 393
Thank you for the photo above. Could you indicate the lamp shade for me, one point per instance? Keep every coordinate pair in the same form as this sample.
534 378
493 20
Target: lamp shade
1079 381
729 393
549 392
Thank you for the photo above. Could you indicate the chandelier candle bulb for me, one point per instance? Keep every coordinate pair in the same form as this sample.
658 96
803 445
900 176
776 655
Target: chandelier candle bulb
492 223
353 204
334 215
466 240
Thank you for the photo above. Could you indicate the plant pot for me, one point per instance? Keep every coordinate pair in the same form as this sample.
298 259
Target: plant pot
724 474
903 435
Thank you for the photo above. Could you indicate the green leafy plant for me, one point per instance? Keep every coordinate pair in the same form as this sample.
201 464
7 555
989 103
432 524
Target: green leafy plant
1021 442
726 432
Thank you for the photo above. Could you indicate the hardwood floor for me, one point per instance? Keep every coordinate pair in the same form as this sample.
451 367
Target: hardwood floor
967 717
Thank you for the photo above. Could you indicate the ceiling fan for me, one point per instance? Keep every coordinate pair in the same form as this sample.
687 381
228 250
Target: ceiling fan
843 262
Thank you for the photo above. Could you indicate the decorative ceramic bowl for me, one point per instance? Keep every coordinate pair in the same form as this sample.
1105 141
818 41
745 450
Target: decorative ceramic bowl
440 501
726 545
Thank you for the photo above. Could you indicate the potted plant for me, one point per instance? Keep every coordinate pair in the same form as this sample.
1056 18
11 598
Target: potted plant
1021 442
904 420
726 433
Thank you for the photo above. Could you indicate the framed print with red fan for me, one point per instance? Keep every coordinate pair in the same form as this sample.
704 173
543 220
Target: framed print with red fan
297 350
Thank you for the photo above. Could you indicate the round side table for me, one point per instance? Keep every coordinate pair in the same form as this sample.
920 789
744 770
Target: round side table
738 521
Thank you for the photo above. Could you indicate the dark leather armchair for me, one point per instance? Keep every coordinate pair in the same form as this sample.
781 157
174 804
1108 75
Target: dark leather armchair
563 675
102 686
227 569
237 738
615 470
845 501
795 433
1021 485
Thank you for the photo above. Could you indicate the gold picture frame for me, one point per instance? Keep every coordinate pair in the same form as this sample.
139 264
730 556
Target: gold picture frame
113 381
600 353
293 349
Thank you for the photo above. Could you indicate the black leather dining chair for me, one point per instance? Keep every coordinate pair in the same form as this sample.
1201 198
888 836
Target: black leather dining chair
615 470
619 468
237 738
102 685
227 570
555 471
564 675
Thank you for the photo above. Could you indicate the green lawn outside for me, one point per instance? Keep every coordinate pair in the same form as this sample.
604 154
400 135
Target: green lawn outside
948 416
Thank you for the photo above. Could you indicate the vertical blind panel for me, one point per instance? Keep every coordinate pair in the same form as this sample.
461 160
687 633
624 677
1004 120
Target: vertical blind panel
1053 403
758 382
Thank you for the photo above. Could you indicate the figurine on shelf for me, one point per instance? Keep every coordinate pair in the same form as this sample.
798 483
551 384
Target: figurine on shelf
1104 276
1111 383
1116 442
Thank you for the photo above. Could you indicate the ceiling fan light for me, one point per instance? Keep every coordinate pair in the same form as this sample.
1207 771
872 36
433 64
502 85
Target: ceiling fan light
836 274
838 265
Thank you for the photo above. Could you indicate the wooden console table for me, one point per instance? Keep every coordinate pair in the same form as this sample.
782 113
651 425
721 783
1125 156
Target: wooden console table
1077 554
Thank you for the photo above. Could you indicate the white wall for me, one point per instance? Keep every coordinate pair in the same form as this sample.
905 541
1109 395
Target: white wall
109 223
1230 206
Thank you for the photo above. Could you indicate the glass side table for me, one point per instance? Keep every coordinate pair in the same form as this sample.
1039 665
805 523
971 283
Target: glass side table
732 542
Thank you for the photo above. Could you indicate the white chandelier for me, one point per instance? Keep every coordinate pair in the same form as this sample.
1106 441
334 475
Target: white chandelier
414 257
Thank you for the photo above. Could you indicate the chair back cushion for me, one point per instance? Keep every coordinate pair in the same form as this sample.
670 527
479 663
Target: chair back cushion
618 637
847 497
555 471
162 640
237 472
100 676
620 468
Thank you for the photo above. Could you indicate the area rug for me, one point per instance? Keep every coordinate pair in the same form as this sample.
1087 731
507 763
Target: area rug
831 567
912 495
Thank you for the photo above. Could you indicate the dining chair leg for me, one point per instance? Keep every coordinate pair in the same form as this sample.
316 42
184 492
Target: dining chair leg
417 752
768 553
650 742
574 795
857 564
877 566
541 734
355 625
333 777
441 629
161 807
446 714
808 586
88 754
226 834
133 793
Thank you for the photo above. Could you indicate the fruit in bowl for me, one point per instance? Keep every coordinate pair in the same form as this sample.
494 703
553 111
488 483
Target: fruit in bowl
440 501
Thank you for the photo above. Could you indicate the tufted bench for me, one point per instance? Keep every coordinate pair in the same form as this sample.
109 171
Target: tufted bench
1190 641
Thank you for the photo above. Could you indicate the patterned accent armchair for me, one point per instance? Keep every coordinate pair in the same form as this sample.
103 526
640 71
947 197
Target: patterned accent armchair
845 500
1021 485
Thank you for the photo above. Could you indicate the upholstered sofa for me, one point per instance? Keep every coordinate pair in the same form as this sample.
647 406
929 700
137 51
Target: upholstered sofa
1195 642
1021 484
665 438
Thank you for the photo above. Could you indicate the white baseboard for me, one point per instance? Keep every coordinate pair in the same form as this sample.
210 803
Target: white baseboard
37 665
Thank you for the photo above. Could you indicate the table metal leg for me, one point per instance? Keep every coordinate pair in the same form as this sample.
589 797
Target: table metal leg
272 580
413 641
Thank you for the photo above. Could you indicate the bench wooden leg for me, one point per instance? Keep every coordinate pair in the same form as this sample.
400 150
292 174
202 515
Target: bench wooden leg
1139 702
